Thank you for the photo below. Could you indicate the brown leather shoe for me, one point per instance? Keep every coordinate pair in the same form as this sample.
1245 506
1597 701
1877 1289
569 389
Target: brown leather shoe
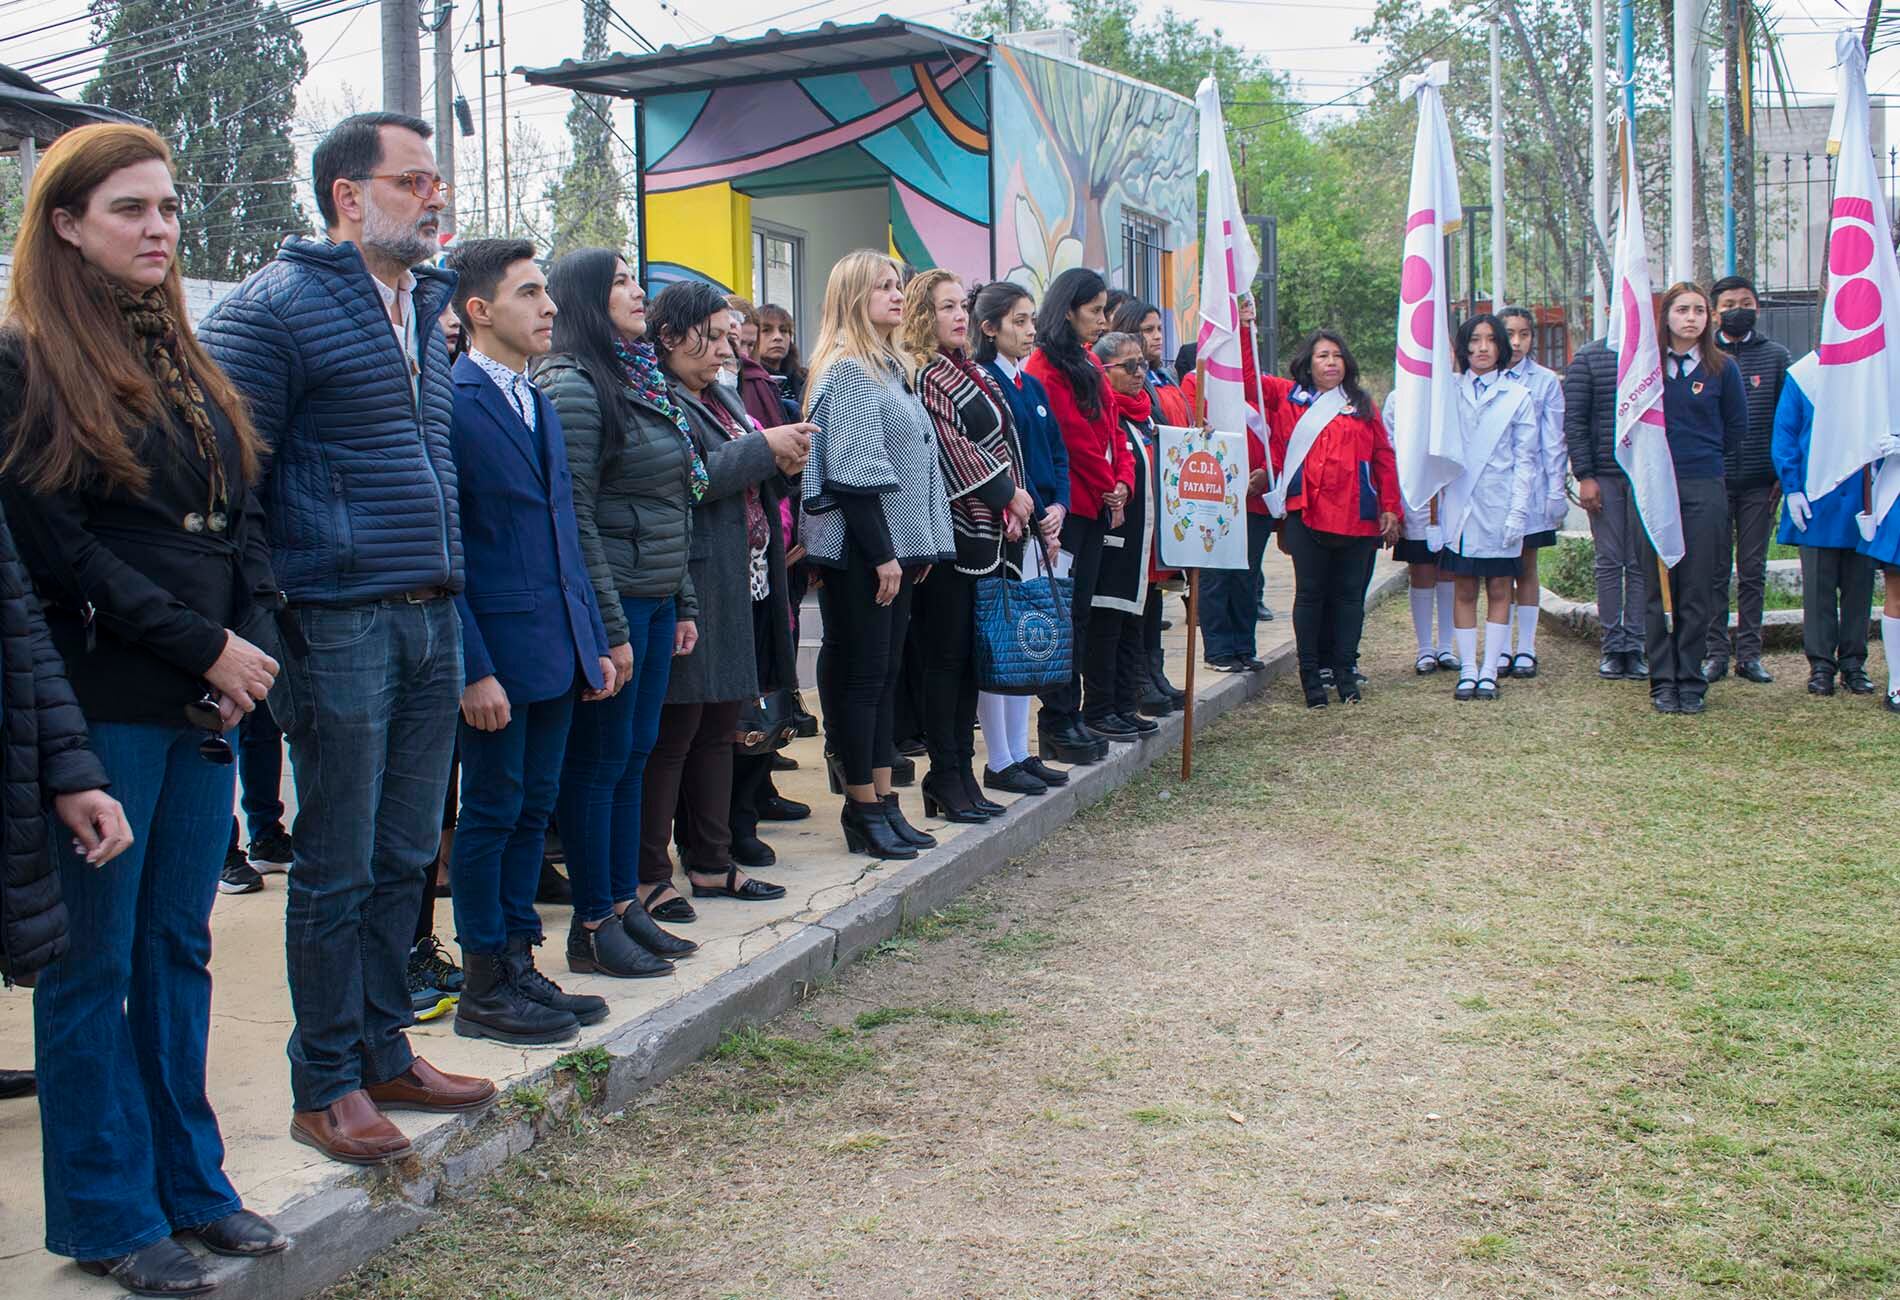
423 1087
351 1129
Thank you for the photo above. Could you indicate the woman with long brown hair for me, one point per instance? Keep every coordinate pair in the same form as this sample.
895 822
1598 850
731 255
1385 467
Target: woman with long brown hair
128 477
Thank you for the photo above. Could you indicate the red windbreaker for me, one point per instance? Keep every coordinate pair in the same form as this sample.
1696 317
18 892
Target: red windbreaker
1098 453
1349 472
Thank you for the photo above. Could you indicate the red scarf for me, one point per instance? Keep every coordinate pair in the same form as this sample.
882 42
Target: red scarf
1134 406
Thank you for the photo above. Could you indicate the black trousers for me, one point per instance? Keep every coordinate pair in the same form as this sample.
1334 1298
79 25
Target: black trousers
1837 592
1117 663
689 770
752 773
943 631
1329 596
859 663
1081 538
1676 647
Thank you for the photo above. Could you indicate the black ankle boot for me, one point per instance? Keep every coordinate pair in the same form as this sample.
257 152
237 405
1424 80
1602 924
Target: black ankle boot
492 1006
905 831
944 797
162 1268
645 931
751 851
536 987
974 793
867 829
608 950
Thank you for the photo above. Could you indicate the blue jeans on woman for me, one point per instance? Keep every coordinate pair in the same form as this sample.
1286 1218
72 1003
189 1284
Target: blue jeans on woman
607 748
129 1143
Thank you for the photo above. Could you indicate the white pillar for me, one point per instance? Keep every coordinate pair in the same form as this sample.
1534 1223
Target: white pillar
1599 158
1682 150
1498 298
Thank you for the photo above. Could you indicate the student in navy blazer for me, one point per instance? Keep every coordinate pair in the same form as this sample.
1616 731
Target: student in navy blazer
532 642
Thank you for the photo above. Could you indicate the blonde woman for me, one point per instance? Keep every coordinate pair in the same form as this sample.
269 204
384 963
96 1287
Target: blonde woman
877 519
982 463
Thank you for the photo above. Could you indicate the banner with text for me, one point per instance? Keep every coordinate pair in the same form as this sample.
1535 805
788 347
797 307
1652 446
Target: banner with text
1203 516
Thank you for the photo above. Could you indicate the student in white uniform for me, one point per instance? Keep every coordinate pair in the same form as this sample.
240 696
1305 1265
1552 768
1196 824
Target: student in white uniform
1549 503
1487 508
1417 549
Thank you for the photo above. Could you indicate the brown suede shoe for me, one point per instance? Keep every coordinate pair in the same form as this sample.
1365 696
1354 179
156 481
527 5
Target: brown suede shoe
351 1129
423 1087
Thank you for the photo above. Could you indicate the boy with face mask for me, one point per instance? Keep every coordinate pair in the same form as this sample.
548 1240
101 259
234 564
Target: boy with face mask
1752 486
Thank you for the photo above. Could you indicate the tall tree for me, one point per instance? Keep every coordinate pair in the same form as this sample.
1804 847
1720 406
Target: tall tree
218 79
589 198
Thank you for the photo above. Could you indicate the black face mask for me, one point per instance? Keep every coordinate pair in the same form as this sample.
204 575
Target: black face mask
1738 321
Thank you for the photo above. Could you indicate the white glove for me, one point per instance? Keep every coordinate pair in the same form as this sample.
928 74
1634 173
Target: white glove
1514 524
1867 524
1799 510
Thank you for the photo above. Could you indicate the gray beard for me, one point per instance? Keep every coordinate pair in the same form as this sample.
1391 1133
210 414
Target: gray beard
388 237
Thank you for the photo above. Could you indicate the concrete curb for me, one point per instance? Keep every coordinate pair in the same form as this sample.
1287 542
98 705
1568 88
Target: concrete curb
360 1213
1780 628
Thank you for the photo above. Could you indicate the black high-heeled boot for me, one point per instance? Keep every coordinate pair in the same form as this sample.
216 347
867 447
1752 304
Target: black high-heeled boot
974 792
905 831
944 797
834 772
867 829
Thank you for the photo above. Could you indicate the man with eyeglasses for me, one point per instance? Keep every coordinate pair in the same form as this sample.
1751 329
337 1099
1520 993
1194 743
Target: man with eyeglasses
337 348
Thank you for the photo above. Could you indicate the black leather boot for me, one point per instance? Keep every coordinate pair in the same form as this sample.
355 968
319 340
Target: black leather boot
162 1268
607 950
645 931
536 987
867 829
492 1006
894 814
1069 743
945 797
974 791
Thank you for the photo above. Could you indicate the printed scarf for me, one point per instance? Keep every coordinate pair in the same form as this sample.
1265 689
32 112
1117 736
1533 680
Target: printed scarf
148 315
642 367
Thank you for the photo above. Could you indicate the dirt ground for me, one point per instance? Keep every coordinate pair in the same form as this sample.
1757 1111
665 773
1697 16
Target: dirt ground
1548 997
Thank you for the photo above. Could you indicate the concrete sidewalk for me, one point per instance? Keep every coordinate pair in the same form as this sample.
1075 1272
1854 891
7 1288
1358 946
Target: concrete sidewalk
753 961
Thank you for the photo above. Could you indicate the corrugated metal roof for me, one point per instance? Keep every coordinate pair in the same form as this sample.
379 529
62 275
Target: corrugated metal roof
671 69
30 110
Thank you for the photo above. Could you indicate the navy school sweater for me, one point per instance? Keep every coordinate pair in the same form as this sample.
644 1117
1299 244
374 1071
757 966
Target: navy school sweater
1707 417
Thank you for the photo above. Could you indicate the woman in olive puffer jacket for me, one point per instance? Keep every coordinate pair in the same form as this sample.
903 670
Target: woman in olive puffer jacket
636 477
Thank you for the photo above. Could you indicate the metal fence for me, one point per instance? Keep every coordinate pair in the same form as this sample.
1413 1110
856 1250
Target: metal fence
1794 195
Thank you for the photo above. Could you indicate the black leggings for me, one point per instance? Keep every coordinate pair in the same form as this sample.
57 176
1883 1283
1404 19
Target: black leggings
1329 596
1081 538
1117 663
943 618
859 663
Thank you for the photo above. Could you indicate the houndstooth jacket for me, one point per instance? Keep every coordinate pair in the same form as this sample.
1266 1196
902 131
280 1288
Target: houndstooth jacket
874 438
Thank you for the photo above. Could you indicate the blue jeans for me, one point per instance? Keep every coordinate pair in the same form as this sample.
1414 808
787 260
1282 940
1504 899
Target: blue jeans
607 750
261 771
509 780
128 1139
1229 597
370 713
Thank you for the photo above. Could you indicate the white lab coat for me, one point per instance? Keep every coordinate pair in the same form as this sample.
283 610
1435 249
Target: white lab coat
1487 509
1415 524
1549 506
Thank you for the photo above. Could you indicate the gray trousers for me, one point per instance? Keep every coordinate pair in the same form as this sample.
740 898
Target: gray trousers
1751 522
1837 593
1676 645
1622 579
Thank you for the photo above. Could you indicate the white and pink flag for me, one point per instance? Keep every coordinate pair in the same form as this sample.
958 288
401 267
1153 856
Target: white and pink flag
1429 435
1228 265
1857 393
1642 442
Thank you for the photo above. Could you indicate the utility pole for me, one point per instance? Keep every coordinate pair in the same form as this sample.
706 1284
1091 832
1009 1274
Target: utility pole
480 47
1015 22
1599 159
1498 295
1682 149
501 70
402 57
444 32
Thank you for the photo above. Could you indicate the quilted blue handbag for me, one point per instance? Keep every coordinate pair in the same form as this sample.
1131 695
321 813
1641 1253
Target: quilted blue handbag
1025 641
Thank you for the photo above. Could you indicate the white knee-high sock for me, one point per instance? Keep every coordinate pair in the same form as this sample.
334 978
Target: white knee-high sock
992 711
1527 630
1890 639
1504 646
1497 638
1422 602
1016 710
1447 598
1466 639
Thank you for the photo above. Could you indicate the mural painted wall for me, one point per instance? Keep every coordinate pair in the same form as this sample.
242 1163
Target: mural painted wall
1075 147
921 132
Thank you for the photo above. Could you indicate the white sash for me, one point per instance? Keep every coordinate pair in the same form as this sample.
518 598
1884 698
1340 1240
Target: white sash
1320 414
1493 418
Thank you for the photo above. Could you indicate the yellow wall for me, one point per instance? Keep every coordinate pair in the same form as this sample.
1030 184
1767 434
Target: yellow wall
708 228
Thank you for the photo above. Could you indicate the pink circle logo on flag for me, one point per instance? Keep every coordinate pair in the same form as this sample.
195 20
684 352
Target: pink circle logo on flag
1857 305
1422 325
1851 331
1415 280
1850 251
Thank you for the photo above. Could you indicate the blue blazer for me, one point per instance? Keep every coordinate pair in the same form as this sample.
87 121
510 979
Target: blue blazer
1046 455
528 611
1833 522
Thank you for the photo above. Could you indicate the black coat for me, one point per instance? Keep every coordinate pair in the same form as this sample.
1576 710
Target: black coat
45 754
1764 366
162 593
1590 412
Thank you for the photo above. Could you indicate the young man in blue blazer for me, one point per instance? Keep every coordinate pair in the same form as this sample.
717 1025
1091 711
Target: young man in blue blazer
532 643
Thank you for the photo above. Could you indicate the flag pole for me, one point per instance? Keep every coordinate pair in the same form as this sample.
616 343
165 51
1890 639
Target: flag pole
1194 595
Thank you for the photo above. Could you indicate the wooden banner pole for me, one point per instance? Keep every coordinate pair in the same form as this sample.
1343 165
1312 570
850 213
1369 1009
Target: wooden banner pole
1669 600
1194 597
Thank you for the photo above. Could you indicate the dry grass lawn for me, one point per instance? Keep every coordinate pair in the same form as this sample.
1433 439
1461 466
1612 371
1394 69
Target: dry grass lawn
1550 997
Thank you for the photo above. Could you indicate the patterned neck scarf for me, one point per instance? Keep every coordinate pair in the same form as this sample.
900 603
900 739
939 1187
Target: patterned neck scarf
148 315
642 368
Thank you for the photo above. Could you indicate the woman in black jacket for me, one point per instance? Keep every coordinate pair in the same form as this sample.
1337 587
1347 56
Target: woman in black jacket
127 478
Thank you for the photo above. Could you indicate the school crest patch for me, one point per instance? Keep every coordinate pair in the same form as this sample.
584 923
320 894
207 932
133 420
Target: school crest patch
1696 388
1754 381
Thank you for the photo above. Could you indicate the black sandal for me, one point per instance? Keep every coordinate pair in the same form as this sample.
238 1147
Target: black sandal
753 891
675 909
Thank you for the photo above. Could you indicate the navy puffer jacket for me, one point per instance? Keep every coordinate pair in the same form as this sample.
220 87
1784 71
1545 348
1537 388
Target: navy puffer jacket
359 492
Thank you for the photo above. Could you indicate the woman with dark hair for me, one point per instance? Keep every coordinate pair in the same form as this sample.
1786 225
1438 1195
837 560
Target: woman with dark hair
1117 666
1338 495
1143 321
637 473
128 478
1487 507
1101 476
778 353
736 563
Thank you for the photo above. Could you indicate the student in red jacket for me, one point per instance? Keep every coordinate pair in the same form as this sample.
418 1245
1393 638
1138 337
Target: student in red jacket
1339 495
1101 476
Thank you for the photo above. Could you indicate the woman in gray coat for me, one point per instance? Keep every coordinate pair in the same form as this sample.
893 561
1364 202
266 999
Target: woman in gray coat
733 553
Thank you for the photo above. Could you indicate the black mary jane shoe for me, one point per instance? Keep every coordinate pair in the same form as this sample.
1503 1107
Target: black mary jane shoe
1524 666
751 851
1013 780
645 931
974 793
163 1268
1448 661
780 809
243 1235
1425 665
1467 689
752 891
894 814
607 949
945 797
868 829
1892 702
1487 689
674 911
1041 771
